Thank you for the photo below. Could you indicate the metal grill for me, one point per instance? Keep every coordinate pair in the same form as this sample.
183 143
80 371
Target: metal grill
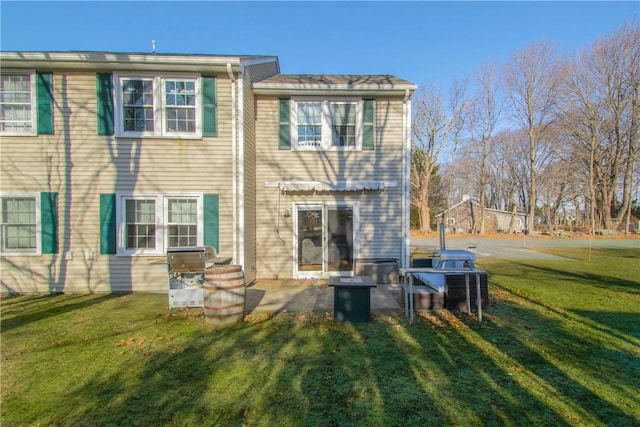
186 267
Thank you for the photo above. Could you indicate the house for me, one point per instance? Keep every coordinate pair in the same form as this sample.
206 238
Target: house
464 217
107 159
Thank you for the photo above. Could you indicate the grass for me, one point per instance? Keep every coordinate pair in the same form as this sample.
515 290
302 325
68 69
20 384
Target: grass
560 345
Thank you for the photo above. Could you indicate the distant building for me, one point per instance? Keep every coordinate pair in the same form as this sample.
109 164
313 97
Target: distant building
464 217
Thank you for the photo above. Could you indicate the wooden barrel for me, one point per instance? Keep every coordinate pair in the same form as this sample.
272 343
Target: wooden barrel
224 295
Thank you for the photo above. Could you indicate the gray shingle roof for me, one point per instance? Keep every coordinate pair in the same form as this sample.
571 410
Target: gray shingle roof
379 80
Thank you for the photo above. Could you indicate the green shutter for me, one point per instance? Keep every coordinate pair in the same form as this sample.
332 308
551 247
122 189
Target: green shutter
108 223
284 128
49 222
368 125
211 220
44 100
104 89
209 113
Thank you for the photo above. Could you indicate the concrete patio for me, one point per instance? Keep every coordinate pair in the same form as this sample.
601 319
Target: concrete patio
311 296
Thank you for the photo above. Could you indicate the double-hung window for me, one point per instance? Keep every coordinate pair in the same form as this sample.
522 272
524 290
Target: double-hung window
19 224
182 221
157 106
327 124
151 223
309 116
141 224
343 124
17 104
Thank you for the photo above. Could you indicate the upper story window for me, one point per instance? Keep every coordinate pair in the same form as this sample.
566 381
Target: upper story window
309 124
158 106
327 124
343 124
17 104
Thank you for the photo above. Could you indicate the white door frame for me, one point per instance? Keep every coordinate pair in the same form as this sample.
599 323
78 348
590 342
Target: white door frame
324 205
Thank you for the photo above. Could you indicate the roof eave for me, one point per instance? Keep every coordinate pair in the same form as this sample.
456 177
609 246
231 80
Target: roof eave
338 89
120 61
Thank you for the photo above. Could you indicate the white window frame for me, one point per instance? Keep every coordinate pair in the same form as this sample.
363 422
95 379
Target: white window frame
324 206
38 214
327 134
159 105
199 218
161 216
32 81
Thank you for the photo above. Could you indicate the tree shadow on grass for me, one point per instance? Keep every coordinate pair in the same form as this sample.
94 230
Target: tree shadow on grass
575 361
279 369
20 312
624 322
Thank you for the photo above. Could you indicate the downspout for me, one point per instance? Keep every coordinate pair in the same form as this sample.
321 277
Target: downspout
406 179
241 204
234 165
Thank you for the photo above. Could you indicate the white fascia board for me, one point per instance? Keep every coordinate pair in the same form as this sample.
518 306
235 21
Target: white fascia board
119 61
339 86
377 92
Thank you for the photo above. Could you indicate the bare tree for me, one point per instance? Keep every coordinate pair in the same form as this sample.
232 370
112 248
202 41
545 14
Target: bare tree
531 81
485 109
601 112
431 128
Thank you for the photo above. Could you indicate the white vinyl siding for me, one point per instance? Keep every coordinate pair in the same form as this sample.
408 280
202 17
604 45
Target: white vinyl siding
379 212
88 164
17 104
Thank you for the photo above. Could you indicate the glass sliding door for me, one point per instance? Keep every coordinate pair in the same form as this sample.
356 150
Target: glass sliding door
325 239
310 238
340 238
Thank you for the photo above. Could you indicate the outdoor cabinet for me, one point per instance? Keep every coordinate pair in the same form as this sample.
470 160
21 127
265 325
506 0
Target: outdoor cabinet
352 298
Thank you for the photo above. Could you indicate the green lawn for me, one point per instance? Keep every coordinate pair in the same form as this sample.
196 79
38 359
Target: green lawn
560 345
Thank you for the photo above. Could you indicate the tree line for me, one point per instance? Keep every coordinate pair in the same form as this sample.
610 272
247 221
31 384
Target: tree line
553 136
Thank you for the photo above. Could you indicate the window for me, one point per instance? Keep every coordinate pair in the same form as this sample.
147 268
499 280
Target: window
17 100
182 220
309 124
141 224
180 105
327 124
343 124
150 224
137 105
158 106
19 226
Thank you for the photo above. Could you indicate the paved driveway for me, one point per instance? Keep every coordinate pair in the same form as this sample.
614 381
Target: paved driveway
522 247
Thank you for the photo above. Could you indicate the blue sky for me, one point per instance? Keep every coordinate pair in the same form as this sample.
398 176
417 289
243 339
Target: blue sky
419 41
